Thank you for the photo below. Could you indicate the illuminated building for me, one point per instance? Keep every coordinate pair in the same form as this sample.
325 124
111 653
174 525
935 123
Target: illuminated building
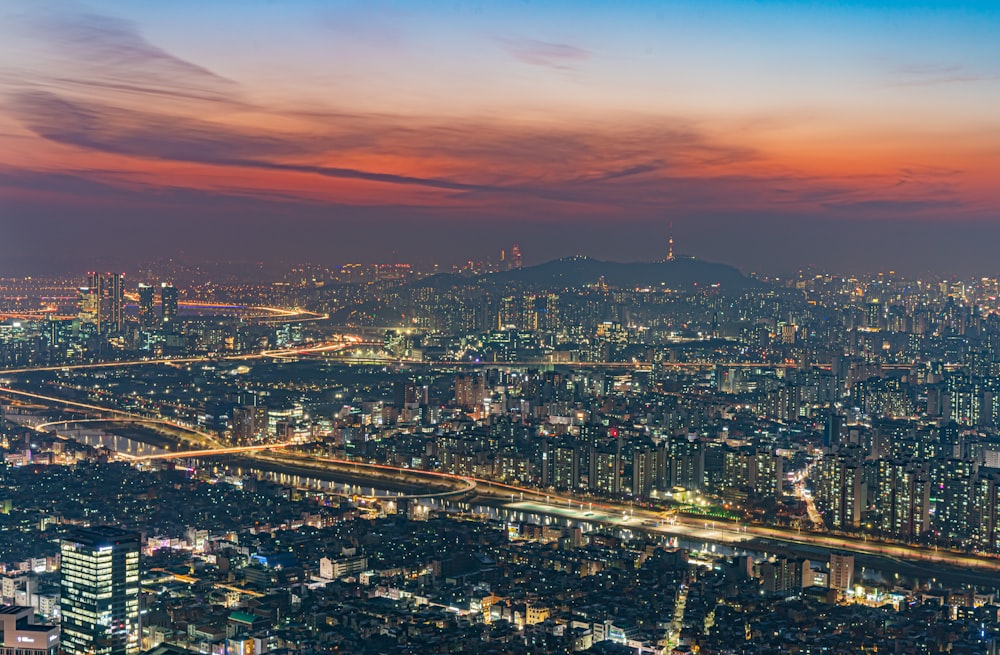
249 424
841 571
147 311
840 488
114 298
902 499
89 306
782 575
101 302
22 636
873 315
644 469
563 463
99 597
94 284
168 303
684 465
605 468
470 390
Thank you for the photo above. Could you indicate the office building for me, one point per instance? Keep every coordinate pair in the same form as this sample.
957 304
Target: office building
100 591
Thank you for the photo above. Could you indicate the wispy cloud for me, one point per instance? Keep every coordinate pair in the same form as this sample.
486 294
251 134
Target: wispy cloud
107 54
543 53
139 134
925 74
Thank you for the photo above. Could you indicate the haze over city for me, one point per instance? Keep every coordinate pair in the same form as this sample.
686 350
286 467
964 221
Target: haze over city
774 135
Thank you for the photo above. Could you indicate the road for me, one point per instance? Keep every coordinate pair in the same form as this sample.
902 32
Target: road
271 314
331 345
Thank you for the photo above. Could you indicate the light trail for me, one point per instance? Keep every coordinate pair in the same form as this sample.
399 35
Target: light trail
124 416
468 483
223 450
342 342
211 451
271 314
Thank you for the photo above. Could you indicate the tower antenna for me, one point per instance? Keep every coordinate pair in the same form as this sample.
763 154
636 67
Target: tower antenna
670 243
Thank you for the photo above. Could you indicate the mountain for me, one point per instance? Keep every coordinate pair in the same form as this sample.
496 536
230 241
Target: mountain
685 273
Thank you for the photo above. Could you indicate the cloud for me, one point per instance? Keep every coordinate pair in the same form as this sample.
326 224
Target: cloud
923 74
110 54
927 69
127 132
543 53
564 165
895 206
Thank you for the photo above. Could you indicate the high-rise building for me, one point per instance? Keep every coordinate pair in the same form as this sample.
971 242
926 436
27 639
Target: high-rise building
147 310
102 302
168 303
114 299
841 571
470 390
249 424
99 598
89 307
94 284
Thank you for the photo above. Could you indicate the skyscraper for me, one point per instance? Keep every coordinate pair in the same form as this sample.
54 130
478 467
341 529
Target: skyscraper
102 302
89 307
168 303
114 298
99 597
94 300
147 311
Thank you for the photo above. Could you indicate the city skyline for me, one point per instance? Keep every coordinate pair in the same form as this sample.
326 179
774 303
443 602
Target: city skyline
772 135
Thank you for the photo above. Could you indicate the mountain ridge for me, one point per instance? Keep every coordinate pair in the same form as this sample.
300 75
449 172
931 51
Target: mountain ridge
682 273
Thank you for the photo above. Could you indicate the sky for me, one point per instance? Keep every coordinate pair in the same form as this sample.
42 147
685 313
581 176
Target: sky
773 135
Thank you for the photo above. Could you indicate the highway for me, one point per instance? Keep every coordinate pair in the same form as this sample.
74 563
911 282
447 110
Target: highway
271 314
331 345
204 452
